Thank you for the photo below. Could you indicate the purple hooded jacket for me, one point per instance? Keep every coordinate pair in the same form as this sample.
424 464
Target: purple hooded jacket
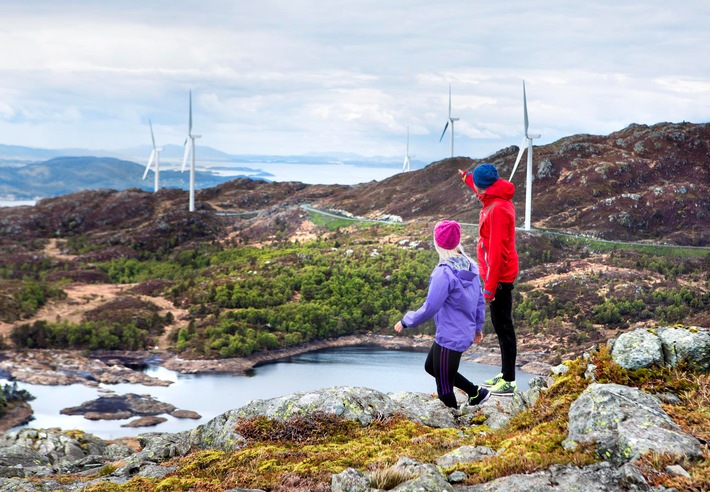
456 303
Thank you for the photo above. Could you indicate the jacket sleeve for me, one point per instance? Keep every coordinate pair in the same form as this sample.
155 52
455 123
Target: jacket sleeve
497 245
468 179
438 292
480 311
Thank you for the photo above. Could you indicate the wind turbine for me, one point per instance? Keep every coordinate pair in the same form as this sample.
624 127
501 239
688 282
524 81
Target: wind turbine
154 157
527 139
190 145
407 166
450 120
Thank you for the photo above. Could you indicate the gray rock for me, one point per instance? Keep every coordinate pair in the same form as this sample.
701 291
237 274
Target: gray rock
465 454
19 460
424 408
112 405
638 349
599 477
457 477
559 370
428 478
351 403
350 480
686 344
498 411
148 421
677 471
625 423
32 452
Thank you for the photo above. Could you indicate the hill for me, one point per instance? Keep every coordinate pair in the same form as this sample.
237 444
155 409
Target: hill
65 175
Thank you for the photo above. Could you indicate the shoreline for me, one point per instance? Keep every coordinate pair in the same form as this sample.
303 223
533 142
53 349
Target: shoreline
63 367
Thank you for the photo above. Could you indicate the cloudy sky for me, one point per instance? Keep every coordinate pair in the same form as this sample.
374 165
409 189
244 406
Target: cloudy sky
299 76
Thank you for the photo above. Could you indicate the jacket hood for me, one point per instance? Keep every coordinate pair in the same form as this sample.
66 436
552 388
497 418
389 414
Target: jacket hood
463 268
501 189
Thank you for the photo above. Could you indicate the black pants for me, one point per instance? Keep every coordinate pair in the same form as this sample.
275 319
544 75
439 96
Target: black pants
443 364
502 319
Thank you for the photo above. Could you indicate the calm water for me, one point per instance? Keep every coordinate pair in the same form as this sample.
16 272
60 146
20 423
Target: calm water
212 395
345 174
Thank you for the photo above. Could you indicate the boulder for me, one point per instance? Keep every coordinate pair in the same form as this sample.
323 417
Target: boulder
351 403
625 423
424 478
185 414
32 452
638 349
686 344
424 409
599 477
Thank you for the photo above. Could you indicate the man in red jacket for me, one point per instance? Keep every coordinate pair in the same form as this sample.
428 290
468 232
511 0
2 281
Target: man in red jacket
497 263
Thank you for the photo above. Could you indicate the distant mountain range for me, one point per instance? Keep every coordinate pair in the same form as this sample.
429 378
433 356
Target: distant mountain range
208 157
28 173
63 175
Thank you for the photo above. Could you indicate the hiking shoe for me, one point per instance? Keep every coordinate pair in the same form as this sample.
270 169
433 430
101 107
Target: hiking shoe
503 387
481 397
493 381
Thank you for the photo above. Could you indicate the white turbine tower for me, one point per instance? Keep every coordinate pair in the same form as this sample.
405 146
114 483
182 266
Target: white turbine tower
154 157
527 140
450 120
190 145
407 166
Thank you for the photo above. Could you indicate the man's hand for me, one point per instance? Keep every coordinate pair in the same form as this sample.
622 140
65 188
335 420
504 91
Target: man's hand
478 337
489 301
398 327
462 173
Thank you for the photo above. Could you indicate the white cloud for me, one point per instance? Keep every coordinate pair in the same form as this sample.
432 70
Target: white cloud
346 75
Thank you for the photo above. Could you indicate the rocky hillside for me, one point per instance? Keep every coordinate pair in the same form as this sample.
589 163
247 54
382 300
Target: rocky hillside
640 184
623 418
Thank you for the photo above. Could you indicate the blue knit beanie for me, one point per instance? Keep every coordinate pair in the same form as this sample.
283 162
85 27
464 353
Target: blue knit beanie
485 175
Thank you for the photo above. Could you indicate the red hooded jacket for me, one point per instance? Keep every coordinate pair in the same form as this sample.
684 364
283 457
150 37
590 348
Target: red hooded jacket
497 257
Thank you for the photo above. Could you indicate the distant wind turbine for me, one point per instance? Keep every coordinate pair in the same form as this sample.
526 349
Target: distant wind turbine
190 146
450 120
154 157
407 166
527 140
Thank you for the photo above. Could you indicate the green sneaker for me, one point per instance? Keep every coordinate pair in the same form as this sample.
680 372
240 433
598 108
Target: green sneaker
503 387
488 383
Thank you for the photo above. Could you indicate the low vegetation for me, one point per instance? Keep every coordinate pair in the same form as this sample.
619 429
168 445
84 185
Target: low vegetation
244 299
303 453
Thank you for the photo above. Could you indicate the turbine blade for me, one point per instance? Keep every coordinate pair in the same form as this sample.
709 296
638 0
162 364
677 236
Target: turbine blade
520 154
444 132
151 132
189 127
449 101
188 145
150 161
525 110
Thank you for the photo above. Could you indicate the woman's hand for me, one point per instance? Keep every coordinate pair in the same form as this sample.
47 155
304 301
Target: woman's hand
478 337
398 327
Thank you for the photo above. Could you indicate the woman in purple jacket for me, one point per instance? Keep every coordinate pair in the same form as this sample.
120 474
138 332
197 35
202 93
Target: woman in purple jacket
457 305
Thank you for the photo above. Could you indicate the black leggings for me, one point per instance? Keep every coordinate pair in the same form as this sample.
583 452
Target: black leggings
443 364
502 319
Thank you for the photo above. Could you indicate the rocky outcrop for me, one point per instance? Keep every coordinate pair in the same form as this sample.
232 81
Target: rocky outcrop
625 423
31 452
64 367
120 407
599 477
669 346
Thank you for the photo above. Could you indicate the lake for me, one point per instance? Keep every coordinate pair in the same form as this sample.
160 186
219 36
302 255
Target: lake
211 395
323 174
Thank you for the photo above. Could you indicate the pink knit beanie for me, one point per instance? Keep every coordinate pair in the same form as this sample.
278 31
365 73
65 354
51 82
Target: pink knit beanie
447 234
